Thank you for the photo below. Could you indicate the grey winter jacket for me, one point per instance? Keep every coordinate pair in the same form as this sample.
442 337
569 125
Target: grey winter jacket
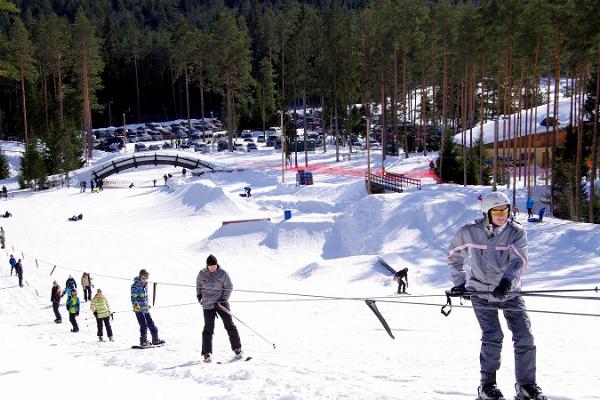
480 256
213 286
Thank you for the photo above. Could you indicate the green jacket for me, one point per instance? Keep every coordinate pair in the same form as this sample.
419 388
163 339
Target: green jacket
100 306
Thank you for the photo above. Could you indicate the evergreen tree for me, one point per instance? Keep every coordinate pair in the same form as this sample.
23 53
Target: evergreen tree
22 54
88 65
4 167
33 171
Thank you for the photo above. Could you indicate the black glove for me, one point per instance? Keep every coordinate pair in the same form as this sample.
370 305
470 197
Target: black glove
502 289
96 314
199 296
77 314
460 290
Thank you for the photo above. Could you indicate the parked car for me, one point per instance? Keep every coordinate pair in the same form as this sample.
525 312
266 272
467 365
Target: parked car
271 139
251 147
222 145
238 147
260 139
355 142
156 135
112 144
132 138
139 147
153 147
144 137
201 147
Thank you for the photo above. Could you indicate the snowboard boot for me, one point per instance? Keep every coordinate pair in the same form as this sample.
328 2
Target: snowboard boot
110 339
156 340
238 354
529 392
144 341
489 391
206 358
58 321
100 339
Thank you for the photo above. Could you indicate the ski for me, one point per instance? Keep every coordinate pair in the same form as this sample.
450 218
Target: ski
234 359
147 347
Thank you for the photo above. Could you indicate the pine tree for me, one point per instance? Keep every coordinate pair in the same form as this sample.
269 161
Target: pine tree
22 54
33 171
88 65
4 167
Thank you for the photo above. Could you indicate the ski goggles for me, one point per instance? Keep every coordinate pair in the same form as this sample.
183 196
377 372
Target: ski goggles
497 213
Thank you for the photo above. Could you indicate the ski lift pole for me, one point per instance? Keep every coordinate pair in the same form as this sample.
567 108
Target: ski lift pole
246 325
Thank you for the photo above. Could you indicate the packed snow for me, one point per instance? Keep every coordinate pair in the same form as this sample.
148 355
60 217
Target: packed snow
325 348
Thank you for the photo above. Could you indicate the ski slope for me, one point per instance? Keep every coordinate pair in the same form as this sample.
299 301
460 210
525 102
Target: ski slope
325 349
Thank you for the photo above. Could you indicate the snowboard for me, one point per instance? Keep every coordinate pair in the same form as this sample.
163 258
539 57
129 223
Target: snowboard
147 347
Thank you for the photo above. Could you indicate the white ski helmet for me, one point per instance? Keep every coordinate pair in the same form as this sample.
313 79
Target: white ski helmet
493 200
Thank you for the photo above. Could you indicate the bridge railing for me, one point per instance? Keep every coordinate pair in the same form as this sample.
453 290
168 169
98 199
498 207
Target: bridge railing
135 160
392 182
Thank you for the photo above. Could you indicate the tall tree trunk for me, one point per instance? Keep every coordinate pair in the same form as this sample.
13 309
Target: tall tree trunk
547 138
383 103
555 124
202 103
395 103
482 116
444 104
87 112
137 89
229 111
23 103
60 92
595 140
404 99
45 94
187 97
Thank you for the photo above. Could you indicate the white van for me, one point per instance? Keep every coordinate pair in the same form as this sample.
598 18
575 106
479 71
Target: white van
274 130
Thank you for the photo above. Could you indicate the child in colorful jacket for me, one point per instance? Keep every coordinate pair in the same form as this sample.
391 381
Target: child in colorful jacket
73 309
101 310
139 300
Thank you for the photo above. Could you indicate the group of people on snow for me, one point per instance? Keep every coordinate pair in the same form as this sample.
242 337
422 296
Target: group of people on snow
213 289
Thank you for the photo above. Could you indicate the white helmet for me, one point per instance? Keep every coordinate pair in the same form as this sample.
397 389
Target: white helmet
492 200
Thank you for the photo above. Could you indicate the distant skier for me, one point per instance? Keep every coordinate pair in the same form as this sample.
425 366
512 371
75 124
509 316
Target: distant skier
101 310
19 271
55 296
70 284
402 278
139 300
86 285
494 251
529 204
2 237
541 213
213 288
12 261
73 309
165 178
92 185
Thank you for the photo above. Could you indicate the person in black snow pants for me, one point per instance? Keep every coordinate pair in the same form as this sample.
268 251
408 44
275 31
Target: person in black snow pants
213 288
86 284
70 284
55 296
402 278
489 256
12 261
19 270
73 309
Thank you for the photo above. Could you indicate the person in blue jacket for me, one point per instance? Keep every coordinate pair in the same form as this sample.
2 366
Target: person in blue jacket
141 307
529 204
12 261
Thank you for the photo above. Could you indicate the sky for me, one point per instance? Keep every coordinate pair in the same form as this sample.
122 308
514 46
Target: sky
324 348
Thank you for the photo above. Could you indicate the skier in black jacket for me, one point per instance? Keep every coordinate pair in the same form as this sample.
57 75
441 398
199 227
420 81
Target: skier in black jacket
55 296
69 285
402 278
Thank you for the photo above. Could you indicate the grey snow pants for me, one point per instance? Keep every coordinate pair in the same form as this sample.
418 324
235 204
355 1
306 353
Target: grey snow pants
492 336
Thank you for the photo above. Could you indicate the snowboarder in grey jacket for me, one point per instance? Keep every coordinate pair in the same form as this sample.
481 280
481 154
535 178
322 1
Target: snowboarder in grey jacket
213 288
490 256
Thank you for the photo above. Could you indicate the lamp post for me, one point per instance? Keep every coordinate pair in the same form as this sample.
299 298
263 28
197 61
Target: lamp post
282 149
109 113
123 119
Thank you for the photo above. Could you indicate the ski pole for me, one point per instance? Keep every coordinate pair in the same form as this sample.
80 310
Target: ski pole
246 325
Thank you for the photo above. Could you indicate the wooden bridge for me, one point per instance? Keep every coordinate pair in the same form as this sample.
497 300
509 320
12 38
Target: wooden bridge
135 160
392 182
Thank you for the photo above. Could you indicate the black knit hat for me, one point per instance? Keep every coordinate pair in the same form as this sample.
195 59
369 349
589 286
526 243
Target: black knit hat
144 273
211 260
